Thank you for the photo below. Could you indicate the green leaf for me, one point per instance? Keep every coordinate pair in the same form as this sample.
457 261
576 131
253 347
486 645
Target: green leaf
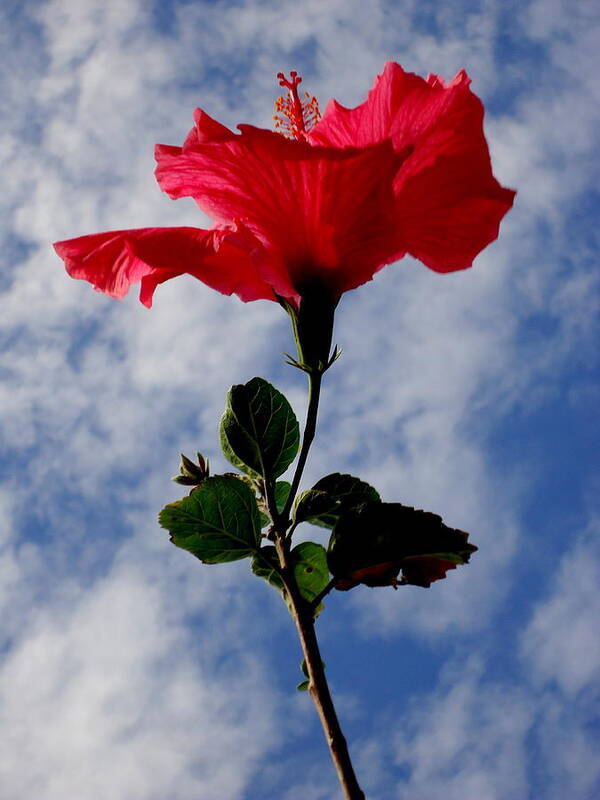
217 522
303 686
265 564
282 490
371 543
310 568
264 519
310 505
259 430
330 497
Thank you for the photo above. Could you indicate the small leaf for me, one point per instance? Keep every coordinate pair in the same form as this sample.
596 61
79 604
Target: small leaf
259 430
265 564
303 687
217 522
329 497
371 543
310 568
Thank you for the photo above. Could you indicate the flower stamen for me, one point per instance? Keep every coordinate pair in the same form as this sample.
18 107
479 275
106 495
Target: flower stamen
295 116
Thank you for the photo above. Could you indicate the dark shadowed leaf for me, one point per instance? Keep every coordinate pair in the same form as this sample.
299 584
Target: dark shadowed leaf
259 430
329 497
371 543
217 522
282 490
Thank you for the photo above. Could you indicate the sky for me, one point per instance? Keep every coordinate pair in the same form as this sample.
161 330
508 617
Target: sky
129 670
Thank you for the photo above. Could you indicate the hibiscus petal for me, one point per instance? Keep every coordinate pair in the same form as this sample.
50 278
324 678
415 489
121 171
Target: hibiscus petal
448 216
206 130
396 100
432 118
449 204
322 214
114 260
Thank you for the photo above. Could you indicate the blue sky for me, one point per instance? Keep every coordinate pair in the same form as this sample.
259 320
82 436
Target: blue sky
132 672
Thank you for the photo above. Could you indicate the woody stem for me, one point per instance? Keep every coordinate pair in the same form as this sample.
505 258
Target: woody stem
303 615
321 696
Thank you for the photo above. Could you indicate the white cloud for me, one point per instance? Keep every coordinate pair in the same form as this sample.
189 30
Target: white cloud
466 742
494 729
477 738
561 642
567 765
106 688
557 20
98 397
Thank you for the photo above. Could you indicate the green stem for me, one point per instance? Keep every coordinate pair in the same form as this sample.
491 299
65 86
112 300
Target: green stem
314 393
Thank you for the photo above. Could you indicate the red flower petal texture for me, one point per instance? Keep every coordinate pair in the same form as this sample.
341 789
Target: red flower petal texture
320 213
408 171
449 205
114 260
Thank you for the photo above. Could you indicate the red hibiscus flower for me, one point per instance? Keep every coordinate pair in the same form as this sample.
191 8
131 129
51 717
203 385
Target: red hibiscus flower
325 205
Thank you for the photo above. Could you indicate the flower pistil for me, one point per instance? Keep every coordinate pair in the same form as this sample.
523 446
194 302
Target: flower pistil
295 116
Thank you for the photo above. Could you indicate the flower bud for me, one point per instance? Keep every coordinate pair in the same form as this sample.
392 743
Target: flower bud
191 474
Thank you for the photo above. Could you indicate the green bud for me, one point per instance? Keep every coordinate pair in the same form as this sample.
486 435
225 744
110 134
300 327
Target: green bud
191 474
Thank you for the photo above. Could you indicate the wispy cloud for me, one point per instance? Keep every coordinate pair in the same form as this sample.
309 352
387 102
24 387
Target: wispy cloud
524 734
129 668
107 687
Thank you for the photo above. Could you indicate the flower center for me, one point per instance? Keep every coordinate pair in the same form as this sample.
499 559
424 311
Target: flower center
294 115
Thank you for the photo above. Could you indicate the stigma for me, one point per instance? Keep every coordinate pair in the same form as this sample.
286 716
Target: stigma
295 116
